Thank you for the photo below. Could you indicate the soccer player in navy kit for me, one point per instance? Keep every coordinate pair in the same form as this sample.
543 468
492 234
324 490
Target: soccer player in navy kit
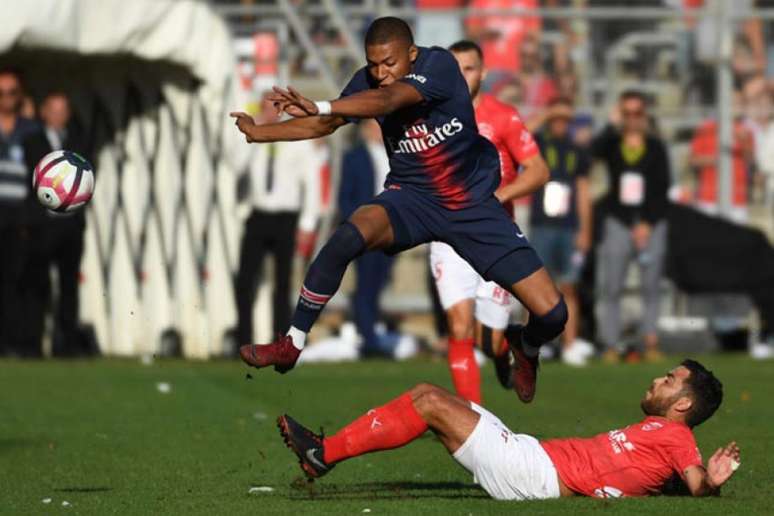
442 178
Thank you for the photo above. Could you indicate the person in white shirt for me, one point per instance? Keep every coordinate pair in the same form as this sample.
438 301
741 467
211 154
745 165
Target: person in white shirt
283 192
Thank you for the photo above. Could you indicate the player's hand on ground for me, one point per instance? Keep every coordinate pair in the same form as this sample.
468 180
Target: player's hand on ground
244 123
293 103
722 464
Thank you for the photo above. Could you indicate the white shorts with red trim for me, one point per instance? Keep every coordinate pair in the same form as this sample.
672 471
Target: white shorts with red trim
508 466
457 281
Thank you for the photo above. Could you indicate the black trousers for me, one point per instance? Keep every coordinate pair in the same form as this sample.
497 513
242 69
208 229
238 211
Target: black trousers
59 244
14 240
265 233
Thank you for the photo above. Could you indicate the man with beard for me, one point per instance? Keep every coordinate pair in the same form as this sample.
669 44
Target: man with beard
637 460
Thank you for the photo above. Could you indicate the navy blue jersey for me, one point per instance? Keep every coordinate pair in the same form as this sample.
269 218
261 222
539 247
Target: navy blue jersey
434 147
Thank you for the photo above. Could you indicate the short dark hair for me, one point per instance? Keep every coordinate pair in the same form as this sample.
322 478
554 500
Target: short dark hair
387 29
465 45
706 392
633 94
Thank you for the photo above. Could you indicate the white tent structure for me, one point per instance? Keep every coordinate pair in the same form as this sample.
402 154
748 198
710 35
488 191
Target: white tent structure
152 82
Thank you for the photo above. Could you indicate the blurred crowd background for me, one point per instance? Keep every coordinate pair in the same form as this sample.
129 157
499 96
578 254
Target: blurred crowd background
687 84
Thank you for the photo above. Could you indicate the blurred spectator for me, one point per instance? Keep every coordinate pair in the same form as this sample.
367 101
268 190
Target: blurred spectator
511 91
435 27
635 225
283 191
604 33
14 189
759 120
704 159
363 173
745 63
58 238
501 35
561 219
539 87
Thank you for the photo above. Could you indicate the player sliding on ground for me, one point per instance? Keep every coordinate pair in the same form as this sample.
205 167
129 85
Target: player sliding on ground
477 310
443 174
640 459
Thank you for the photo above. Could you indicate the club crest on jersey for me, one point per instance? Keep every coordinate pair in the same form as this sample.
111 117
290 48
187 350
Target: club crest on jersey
419 138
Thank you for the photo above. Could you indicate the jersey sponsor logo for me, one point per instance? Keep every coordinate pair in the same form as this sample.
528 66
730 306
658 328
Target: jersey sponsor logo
421 79
653 425
418 138
619 441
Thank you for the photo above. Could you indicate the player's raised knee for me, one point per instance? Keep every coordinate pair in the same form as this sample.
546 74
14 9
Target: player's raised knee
429 399
421 389
550 325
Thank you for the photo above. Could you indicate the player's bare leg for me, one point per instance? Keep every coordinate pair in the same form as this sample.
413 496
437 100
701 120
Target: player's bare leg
463 367
367 229
392 425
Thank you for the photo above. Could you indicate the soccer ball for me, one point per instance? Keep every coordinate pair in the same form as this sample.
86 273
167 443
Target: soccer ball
63 181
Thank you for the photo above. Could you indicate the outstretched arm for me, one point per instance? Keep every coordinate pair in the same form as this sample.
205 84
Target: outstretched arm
532 176
720 467
307 128
370 103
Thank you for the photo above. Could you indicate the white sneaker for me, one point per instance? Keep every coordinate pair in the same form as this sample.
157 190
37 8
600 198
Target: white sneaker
575 355
762 351
585 348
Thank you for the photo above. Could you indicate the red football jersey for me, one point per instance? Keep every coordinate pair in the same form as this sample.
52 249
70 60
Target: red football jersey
634 461
501 124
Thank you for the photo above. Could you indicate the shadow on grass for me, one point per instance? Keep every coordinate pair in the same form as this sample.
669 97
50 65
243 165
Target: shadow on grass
100 489
9 443
303 490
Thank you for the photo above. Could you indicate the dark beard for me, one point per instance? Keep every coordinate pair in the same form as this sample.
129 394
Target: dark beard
656 406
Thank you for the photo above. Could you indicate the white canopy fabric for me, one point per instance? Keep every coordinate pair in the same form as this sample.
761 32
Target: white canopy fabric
162 231
184 32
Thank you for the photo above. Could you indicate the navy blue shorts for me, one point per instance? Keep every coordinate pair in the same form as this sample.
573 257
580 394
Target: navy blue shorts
481 234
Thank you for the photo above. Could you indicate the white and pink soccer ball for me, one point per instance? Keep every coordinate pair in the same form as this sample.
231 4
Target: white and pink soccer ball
63 181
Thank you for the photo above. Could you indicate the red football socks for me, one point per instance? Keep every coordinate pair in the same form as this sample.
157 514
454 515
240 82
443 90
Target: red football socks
390 426
464 369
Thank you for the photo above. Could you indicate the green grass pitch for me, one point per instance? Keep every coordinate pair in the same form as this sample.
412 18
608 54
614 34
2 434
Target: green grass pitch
101 436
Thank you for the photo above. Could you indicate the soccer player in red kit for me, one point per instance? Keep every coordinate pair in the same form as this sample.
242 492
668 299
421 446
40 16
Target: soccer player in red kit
478 310
641 459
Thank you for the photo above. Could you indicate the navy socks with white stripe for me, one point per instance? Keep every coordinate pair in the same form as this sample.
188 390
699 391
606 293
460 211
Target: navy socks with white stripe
324 277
